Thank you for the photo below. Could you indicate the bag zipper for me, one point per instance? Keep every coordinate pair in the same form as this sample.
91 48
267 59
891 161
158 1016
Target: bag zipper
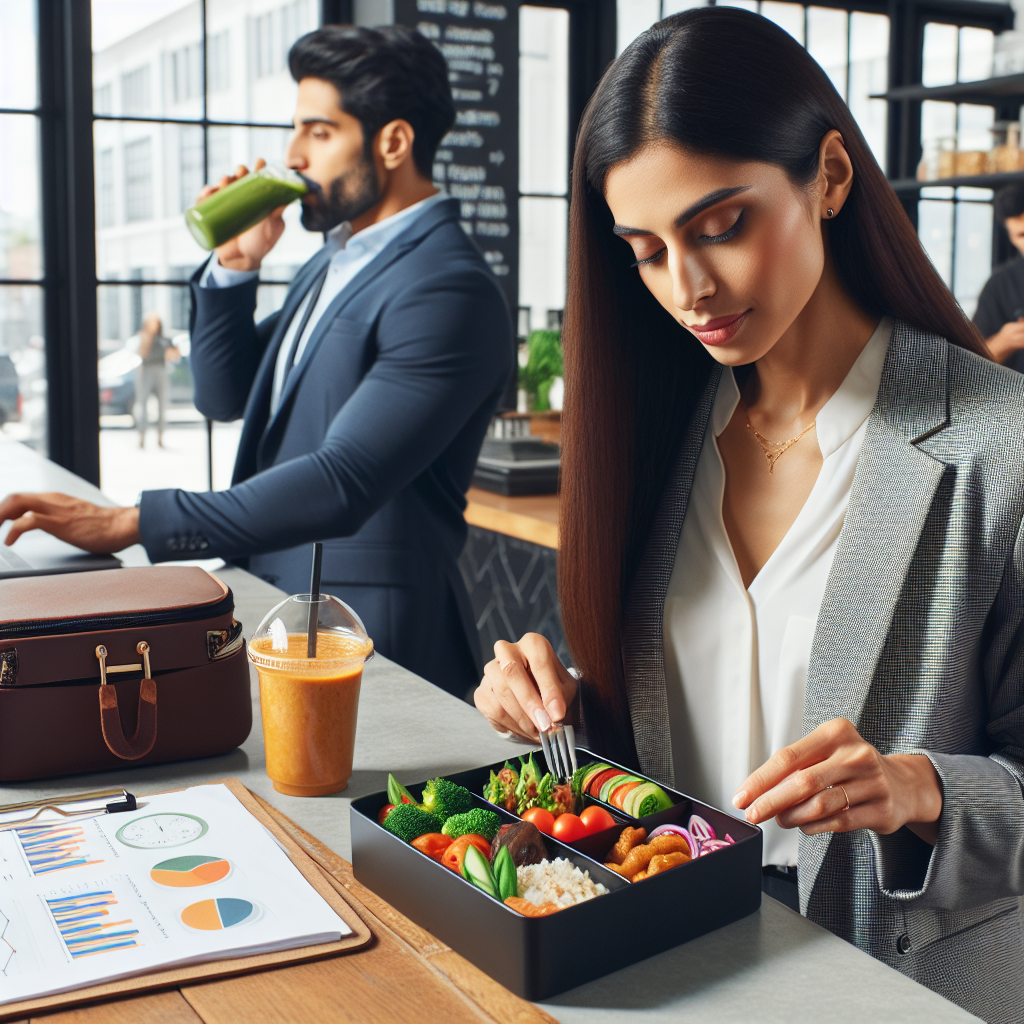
96 623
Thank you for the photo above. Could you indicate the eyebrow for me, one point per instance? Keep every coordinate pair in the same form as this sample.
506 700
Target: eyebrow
319 120
711 199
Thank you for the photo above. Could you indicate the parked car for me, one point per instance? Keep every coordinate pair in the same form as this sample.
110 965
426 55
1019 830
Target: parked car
10 393
117 381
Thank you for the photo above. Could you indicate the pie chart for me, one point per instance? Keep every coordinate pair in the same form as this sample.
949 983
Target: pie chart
184 872
213 915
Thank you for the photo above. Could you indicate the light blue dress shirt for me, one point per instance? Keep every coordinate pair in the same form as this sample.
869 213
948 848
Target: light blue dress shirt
352 252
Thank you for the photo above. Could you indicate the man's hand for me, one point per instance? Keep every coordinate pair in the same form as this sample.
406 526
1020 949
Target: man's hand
247 251
1007 340
90 527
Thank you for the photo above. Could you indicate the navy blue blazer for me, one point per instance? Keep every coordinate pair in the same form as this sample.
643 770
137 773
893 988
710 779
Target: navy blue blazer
372 446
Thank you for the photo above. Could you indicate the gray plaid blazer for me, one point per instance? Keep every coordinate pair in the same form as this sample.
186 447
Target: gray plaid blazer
919 643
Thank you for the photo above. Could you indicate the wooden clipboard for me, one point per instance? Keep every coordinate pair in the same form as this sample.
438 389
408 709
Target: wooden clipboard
174 976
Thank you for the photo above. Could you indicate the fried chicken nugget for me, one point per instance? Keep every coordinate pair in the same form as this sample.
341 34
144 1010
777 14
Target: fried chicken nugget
664 861
670 843
630 838
639 858
617 868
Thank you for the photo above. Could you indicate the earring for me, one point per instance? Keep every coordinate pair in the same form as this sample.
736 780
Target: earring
830 212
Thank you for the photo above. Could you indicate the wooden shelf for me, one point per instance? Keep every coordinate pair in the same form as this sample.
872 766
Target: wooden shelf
989 91
911 185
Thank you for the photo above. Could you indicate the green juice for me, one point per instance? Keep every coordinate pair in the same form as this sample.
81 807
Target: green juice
238 206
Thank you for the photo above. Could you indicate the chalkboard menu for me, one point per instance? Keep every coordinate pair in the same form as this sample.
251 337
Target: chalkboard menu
478 160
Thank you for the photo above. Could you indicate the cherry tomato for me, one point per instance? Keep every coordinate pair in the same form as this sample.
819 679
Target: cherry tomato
569 828
596 819
433 844
384 812
455 854
542 819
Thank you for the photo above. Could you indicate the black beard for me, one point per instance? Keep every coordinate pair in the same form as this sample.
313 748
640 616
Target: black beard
349 196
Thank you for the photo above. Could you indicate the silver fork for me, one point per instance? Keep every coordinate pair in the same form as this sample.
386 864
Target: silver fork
559 746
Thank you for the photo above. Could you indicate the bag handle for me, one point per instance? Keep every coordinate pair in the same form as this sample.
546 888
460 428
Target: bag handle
144 738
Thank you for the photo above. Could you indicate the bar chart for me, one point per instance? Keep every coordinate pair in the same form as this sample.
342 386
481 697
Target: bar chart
85 924
54 847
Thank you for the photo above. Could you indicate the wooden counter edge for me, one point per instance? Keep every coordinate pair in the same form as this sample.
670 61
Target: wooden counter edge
512 524
494 999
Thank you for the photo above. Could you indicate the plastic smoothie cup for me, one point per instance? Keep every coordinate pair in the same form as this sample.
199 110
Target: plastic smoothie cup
229 211
310 705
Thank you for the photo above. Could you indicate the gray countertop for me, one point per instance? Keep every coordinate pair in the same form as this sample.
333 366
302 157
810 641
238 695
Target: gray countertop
771 966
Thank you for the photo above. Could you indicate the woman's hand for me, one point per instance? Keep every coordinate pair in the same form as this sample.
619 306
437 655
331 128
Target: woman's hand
247 251
525 688
803 785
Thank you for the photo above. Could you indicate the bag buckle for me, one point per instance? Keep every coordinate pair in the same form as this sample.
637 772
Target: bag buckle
141 743
9 666
142 647
221 643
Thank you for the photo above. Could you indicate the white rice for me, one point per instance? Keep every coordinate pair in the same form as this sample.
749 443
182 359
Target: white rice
556 881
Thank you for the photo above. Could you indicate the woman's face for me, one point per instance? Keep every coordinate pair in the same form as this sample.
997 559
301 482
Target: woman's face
733 251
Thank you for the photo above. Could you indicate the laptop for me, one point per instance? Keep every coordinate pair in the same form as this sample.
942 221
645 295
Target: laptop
38 554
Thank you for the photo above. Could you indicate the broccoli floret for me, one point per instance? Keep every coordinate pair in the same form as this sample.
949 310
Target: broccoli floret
407 821
477 821
443 798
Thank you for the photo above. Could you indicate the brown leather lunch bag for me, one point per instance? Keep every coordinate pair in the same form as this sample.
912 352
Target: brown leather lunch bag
118 668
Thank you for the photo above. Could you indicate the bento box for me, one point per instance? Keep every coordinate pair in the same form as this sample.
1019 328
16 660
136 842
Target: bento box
539 957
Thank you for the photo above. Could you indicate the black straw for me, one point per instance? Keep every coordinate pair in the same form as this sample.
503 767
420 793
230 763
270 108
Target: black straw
314 598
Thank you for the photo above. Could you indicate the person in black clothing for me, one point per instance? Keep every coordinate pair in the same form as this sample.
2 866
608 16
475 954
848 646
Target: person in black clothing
1000 313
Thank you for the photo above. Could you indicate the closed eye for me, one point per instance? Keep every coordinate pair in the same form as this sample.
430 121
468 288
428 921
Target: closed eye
725 235
649 259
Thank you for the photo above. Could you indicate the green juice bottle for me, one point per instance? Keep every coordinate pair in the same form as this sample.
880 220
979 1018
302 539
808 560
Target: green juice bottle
238 206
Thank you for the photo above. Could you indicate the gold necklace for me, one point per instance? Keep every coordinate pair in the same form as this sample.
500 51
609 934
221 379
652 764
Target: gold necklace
774 450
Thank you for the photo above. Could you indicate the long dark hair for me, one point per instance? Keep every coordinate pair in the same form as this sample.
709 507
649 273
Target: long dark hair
726 82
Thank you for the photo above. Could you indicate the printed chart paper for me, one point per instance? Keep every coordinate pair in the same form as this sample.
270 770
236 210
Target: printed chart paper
187 877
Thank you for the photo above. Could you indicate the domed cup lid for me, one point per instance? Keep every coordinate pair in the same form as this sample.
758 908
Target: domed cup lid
280 640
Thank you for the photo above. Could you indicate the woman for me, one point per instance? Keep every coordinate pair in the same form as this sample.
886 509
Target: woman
791 506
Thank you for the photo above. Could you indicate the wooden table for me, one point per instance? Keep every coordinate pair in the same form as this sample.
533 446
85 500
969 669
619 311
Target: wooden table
405 974
774 966
532 518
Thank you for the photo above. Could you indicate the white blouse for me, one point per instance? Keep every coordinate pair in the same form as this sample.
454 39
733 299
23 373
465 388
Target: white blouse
736 658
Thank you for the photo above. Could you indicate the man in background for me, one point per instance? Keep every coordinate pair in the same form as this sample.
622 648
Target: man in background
367 396
1000 313
156 352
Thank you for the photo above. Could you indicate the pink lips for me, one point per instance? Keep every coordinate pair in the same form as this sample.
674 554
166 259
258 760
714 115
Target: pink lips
720 330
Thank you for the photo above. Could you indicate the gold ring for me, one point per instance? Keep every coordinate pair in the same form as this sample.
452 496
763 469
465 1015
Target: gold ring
845 794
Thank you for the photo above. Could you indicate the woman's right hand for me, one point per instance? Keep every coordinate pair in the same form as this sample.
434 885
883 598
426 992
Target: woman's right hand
525 688
247 251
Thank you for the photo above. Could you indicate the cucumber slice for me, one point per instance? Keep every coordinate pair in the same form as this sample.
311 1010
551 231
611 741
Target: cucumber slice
591 772
630 804
475 869
613 783
652 802
646 799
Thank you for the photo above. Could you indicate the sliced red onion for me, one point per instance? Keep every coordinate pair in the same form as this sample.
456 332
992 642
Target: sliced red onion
700 829
675 830
710 845
729 839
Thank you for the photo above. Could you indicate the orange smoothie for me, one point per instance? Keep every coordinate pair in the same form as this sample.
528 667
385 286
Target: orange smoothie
309 710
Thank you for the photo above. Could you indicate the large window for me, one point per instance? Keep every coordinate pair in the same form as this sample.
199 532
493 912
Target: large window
543 164
23 412
955 224
851 46
184 91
